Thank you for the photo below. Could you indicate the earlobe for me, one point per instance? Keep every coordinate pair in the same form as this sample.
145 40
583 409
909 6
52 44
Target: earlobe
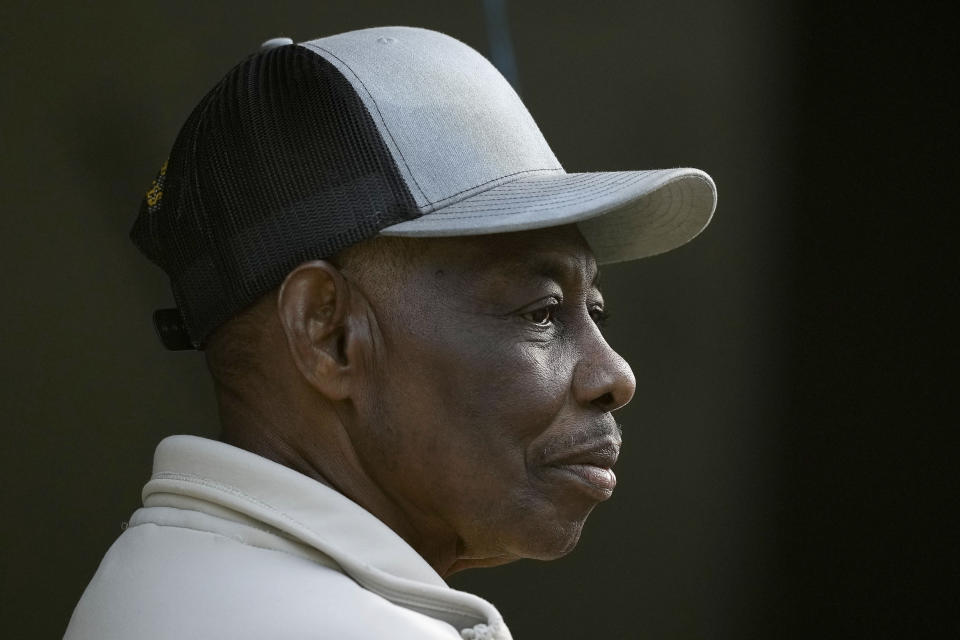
313 305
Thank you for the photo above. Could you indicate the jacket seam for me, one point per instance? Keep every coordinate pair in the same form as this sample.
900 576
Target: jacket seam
239 541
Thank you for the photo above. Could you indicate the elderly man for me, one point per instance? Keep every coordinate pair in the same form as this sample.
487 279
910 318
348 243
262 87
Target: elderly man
395 286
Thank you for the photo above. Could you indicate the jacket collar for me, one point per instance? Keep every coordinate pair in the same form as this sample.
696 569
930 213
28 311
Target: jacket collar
221 479
285 499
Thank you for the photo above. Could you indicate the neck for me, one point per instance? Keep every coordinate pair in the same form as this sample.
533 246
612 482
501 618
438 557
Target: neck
320 447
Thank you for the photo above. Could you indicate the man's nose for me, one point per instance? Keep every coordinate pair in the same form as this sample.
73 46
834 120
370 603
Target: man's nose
602 378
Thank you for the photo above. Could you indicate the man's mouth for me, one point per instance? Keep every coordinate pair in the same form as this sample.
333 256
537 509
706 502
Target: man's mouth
590 467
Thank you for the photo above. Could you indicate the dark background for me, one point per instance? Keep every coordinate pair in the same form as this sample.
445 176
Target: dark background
789 461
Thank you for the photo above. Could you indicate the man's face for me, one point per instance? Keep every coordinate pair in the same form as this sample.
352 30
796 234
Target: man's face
489 413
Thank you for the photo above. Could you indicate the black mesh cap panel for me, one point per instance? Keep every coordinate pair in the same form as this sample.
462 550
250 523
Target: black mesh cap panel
280 163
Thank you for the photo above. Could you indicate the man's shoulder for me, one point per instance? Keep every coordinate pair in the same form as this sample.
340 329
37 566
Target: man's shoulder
165 581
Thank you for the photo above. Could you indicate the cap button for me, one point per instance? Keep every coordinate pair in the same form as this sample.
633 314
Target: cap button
273 43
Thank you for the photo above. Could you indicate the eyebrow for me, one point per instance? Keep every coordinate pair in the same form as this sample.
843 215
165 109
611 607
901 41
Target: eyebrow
556 268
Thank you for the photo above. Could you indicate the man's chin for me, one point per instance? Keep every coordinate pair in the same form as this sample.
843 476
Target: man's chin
551 542
528 538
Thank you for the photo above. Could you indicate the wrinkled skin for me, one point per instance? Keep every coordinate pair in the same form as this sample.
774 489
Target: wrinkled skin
468 404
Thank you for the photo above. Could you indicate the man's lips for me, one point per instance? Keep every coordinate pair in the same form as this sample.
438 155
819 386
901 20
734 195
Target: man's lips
590 466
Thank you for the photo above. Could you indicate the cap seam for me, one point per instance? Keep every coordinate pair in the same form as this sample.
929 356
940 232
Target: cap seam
383 121
428 202
593 186
455 216
482 184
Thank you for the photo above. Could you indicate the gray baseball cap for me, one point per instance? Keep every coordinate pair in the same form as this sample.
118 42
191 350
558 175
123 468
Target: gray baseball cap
305 149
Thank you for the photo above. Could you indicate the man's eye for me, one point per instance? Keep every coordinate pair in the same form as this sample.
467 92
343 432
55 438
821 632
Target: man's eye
599 315
543 316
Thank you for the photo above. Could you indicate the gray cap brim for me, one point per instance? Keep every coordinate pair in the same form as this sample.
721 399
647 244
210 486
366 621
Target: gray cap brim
623 215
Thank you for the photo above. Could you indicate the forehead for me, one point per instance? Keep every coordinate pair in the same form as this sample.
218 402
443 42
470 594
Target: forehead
557 253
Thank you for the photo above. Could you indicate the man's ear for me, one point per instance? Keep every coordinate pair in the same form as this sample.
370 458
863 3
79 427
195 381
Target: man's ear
313 305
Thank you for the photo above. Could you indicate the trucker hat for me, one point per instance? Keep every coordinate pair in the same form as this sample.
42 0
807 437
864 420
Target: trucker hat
303 150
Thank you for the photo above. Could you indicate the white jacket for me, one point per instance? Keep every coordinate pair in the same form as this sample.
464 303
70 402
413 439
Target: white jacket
231 545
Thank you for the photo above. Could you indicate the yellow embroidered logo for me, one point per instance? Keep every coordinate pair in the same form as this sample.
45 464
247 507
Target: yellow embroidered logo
155 193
